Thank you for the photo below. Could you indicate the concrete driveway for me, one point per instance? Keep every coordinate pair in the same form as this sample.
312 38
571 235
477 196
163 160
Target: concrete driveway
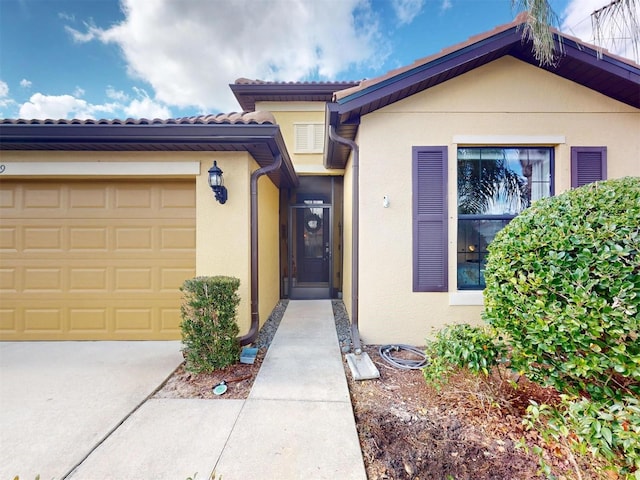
58 400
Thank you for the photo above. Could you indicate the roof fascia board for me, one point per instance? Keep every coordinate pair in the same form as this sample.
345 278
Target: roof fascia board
248 93
161 134
266 89
426 70
605 62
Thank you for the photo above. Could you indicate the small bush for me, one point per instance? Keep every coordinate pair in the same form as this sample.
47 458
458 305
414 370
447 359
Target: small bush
459 346
610 430
209 327
563 283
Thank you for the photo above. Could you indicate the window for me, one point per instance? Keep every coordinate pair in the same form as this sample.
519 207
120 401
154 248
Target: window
309 137
494 185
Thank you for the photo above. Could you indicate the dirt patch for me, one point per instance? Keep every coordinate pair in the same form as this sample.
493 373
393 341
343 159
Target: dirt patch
239 379
469 430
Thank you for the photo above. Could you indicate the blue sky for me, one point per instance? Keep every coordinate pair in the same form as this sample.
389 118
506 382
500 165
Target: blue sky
174 58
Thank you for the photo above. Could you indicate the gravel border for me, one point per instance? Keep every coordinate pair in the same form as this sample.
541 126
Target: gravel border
343 326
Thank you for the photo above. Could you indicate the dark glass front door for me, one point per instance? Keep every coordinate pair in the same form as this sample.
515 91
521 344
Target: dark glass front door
311 231
313 244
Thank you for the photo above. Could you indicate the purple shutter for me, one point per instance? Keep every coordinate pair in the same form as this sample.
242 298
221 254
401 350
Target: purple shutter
430 219
588 164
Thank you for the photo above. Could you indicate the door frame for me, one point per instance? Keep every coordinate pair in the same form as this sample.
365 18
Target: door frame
315 292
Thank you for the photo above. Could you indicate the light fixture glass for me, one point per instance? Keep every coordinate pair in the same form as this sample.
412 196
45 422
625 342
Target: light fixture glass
216 182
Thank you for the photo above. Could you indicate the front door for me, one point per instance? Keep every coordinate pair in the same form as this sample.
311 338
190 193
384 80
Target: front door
311 259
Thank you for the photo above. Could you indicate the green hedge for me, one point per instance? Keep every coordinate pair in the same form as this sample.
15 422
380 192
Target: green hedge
209 327
563 283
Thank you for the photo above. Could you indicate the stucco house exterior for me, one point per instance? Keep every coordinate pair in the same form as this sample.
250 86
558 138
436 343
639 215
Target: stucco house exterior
384 193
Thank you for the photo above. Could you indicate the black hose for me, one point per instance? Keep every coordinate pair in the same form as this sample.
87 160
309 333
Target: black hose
385 352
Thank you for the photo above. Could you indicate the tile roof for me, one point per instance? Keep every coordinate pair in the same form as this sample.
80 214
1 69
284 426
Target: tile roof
234 118
253 132
584 64
247 81
518 22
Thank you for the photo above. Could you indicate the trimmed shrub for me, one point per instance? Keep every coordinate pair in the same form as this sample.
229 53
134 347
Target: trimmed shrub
209 327
563 283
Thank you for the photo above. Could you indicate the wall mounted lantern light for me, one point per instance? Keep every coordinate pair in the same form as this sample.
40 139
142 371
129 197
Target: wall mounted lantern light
216 182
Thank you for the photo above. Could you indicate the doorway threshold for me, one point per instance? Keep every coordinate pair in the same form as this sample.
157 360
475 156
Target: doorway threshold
309 293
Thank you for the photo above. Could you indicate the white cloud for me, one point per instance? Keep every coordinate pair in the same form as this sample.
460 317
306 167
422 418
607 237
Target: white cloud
78 92
56 107
92 33
445 5
117 95
576 21
407 10
67 16
189 51
24 83
145 107
5 100
62 106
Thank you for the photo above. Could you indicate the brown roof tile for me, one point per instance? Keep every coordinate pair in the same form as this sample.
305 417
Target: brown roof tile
234 118
247 81
519 21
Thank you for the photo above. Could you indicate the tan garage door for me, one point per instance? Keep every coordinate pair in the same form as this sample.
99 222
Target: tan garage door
94 260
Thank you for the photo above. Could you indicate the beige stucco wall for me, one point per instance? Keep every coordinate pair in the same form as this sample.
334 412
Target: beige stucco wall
268 247
507 98
289 113
223 233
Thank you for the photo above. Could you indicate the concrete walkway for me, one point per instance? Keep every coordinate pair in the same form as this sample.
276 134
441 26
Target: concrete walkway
296 424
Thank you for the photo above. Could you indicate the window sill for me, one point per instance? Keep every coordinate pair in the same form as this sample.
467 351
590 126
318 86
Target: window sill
469 297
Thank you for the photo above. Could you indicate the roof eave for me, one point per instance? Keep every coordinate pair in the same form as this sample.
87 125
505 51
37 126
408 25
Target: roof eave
507 42
205 137
248 93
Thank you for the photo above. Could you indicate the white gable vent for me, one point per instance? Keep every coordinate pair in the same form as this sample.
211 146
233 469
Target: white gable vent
309 137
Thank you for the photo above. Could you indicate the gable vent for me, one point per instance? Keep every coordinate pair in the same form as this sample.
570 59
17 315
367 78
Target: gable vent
309 137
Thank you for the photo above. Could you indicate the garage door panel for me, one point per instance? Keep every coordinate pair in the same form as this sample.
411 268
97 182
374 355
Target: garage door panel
88 279
43 280
33 237
34 277
134 238
89 321
8 239
43 320
115 275
88 196
90 317
48 197
8 321
177 238
84 238
172 278
98 199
